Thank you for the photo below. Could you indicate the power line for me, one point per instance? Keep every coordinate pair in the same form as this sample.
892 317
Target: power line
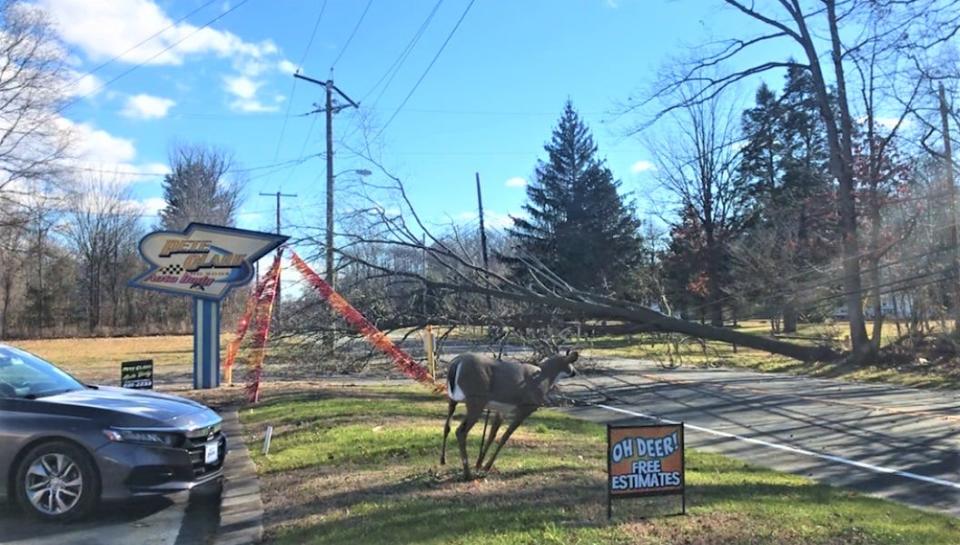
313 35
427 70
394 67
293 85
352 34
142 42
109 82
288 162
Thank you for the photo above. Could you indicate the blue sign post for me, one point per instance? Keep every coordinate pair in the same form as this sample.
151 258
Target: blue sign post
204 262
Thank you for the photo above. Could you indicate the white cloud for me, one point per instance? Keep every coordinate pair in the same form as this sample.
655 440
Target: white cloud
890 122
516 181
151 206
145 106
95 153
104 29
241 86
642 166
107 29
491 219
82 85
244 91
286 67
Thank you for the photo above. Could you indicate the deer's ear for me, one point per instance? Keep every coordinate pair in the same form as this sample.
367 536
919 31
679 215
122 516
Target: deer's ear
572 356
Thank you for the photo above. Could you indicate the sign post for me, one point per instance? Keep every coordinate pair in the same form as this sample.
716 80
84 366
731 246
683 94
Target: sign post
204 262
645 460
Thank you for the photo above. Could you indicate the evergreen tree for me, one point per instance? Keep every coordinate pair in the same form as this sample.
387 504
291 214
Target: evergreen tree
577 223
785 172
196 189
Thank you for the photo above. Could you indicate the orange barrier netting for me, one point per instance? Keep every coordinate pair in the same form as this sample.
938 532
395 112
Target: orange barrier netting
377 338
234 347
262 332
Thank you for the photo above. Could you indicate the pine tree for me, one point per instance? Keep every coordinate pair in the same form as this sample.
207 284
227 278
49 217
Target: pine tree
785 172
196 189
577 224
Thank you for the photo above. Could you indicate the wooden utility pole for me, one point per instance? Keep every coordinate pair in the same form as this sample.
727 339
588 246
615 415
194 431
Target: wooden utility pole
329 109
278 195
951 209
483 236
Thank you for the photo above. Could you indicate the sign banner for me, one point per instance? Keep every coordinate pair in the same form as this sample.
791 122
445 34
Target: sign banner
645 460
204 261
377 338
137 375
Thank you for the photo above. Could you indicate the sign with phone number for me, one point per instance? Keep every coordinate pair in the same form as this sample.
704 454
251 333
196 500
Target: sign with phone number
137 375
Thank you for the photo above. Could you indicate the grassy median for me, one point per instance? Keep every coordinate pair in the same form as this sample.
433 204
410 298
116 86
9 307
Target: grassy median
360 465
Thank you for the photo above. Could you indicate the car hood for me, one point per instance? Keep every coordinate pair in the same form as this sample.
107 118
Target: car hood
142 406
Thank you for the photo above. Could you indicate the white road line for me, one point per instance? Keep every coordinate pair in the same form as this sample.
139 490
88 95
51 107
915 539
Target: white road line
795 450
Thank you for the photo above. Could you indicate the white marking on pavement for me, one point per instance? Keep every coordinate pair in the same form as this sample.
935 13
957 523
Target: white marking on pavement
795 450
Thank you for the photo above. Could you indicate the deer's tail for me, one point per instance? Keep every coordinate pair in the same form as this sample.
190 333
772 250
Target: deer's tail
454 392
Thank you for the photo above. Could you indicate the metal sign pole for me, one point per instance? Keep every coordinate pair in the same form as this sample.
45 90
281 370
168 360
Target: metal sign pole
206 343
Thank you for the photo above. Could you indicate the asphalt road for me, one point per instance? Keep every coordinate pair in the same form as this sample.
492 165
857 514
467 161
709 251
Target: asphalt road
180 519
886 441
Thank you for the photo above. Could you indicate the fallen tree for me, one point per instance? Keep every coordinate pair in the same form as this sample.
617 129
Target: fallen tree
450 270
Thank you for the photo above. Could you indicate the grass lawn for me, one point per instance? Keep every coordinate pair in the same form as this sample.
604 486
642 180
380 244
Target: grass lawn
723 354
98 359
357 465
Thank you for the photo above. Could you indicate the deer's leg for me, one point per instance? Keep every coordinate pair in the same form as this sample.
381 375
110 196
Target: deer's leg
497 420
451 406
518 419
474 412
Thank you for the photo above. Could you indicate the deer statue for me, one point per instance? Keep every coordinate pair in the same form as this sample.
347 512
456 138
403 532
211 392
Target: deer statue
511 390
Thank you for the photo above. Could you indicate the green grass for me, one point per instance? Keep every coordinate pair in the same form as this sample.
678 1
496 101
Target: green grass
359 465
723 354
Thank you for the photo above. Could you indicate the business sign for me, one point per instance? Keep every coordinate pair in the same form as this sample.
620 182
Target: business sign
204 261
137 375
644 461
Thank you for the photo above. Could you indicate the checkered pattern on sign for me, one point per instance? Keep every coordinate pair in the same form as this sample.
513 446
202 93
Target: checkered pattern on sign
172 269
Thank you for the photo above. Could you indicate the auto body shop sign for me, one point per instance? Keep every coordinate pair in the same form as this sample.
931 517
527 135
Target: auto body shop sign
204 260
645 461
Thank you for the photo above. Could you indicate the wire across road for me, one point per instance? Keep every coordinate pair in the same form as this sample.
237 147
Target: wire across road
887 441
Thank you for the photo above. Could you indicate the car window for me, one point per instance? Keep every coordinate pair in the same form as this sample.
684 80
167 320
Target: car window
24 375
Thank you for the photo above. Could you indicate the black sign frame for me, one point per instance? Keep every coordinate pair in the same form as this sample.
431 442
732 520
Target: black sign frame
137 375
682 492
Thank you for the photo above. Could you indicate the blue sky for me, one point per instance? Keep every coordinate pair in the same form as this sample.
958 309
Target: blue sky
487 105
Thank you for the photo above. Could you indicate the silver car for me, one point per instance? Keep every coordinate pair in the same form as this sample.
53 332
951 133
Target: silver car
65 445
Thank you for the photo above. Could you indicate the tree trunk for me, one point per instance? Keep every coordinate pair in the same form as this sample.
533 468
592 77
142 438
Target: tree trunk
602 308
790 315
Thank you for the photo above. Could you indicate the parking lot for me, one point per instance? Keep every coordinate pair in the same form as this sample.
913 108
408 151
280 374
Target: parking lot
181 519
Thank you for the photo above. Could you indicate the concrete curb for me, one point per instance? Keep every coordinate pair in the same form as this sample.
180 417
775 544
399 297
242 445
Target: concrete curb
241 509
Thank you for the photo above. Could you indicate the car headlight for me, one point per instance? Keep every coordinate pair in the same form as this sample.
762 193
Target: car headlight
145 437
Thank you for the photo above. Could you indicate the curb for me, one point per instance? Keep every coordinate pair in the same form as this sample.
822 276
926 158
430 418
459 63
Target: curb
241 509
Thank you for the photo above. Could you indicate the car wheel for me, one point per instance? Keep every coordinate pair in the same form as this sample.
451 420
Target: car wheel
57 481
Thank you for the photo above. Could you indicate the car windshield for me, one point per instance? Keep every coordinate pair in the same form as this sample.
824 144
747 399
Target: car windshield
24 375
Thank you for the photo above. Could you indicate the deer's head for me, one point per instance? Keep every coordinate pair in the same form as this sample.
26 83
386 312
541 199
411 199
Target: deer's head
562 364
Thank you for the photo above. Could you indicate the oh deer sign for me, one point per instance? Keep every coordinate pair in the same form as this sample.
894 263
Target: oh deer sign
644 461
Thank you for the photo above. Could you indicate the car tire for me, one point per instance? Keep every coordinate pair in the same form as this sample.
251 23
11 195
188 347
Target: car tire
57 481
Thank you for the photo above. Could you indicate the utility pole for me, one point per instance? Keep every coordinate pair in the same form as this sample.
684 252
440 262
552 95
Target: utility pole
329 109
278 195
483 236
952 209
